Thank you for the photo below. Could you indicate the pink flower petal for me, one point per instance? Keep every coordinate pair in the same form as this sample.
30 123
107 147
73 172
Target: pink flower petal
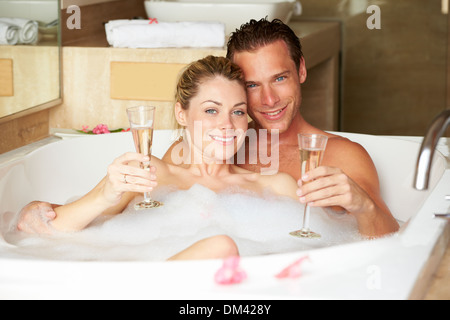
101 129
232 262
230 272
292 271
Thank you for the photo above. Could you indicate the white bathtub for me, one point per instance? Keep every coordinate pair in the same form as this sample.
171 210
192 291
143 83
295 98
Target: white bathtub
397 267
232 13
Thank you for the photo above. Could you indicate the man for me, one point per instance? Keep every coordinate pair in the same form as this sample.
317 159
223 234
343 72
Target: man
269 53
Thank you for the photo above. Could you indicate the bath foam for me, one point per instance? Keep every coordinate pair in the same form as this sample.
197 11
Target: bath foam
259 226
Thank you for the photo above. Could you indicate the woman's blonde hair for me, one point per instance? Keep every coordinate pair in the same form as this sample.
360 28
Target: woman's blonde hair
202 70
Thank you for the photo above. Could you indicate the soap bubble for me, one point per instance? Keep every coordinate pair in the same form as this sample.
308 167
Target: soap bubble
258 225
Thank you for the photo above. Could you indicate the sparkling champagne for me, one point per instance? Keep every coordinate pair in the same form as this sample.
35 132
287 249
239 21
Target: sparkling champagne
310 159
312 148
142 119
143 138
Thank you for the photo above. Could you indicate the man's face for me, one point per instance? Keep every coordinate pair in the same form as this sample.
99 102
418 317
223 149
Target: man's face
273 85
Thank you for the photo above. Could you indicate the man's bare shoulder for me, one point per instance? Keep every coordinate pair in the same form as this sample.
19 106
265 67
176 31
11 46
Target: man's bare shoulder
338 145
349 156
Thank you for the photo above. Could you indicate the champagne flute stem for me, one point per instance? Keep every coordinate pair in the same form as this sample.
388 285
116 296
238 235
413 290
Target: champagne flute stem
306 218
147 197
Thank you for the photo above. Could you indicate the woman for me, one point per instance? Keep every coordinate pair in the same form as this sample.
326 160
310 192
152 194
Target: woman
211 99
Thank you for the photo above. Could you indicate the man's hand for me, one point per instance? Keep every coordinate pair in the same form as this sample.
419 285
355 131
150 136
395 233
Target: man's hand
330 187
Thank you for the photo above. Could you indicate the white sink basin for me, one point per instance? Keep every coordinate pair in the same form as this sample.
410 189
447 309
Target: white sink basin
233 13
43 10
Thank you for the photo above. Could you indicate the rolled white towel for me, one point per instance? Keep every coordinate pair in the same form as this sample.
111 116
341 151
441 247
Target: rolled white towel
28 29
9 34
151 34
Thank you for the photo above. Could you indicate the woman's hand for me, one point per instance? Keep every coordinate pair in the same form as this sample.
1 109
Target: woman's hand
35 217
125 175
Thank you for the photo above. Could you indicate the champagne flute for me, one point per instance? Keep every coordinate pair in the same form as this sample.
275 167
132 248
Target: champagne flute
312 148
141 122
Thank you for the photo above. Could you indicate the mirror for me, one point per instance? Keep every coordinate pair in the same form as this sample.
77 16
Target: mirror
30 57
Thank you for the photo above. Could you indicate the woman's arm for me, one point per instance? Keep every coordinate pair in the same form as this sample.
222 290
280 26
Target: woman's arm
110 196
79 214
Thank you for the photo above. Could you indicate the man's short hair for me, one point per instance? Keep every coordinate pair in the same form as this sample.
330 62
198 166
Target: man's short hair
256 34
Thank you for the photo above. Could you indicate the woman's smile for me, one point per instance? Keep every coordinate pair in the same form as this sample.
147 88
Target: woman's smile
224 140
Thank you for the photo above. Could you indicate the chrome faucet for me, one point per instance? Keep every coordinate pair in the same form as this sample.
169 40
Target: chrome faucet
435 132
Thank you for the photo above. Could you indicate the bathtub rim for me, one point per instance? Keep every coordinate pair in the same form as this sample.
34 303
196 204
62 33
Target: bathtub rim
94 275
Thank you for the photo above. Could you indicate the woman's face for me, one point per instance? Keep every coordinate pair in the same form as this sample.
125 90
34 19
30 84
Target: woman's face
216 120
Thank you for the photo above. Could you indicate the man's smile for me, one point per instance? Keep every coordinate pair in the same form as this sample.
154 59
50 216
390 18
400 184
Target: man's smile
275 115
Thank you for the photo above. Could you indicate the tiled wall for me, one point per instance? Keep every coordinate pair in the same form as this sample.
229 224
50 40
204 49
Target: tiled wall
91 80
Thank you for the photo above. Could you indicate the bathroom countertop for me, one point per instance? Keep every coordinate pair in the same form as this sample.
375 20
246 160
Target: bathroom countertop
320 40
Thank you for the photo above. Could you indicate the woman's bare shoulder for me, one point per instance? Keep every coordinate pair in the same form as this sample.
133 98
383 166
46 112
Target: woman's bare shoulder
281 183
